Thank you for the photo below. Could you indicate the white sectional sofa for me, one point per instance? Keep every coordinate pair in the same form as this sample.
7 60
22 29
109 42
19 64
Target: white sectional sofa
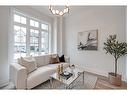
23 80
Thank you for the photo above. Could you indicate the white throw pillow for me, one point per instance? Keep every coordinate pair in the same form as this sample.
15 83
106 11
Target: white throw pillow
29 63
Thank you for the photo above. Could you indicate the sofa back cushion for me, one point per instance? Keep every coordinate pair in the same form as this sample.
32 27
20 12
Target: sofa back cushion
42 60
29 63
48 58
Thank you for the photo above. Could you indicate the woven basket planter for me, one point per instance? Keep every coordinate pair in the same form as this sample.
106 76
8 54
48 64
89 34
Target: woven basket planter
115 80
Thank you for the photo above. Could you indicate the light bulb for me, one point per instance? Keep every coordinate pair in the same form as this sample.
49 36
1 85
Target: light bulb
53 11
57 12
67 10
50 7
61 13
64 10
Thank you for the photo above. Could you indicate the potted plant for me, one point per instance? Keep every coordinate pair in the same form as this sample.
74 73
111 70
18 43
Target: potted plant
116 49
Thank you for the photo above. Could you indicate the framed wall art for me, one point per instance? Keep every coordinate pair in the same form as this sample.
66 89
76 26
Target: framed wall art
88 40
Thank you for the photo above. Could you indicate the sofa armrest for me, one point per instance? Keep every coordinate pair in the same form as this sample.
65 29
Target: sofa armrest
18 75
67 59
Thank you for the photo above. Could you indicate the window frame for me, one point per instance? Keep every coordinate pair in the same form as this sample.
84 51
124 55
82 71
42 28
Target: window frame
28 28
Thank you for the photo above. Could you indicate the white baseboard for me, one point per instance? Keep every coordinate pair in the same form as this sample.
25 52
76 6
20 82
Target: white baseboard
95 71
99 72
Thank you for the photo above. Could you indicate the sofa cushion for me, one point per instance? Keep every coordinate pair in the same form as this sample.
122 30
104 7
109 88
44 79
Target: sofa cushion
54 66
41 74
61 58
38 76
42 60
29 63
54 59
47 58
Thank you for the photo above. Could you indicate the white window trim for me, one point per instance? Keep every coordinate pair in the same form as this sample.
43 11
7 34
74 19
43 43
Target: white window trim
28 27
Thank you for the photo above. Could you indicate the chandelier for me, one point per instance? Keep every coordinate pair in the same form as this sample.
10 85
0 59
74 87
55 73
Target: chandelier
59 12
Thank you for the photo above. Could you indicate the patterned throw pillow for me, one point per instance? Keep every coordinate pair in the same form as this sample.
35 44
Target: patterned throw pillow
54 59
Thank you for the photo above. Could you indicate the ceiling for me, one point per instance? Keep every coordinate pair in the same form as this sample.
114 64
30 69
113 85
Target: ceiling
73 9
42 9
45 10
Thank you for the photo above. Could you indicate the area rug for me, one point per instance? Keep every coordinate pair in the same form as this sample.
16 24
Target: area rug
89 83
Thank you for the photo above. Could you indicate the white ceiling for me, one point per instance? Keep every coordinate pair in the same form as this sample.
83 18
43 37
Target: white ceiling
45 10
73 9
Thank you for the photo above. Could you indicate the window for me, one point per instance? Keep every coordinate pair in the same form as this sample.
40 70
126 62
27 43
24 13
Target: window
34 23
44 27
19 19
19 41
31 36
44 42
34 42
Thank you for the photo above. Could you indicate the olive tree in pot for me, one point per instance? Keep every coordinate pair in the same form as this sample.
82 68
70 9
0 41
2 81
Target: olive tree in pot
116 49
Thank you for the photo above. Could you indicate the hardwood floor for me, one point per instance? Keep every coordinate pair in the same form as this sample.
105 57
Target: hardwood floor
103 83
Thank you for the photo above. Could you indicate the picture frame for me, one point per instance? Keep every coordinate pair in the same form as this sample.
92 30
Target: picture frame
88 40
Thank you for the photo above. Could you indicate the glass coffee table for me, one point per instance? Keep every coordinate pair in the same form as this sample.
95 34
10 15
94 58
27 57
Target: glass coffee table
67 82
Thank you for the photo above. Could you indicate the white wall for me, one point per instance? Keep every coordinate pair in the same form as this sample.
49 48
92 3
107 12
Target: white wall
58 35
4 29
108 20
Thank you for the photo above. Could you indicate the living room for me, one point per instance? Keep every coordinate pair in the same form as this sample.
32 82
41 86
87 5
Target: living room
63 33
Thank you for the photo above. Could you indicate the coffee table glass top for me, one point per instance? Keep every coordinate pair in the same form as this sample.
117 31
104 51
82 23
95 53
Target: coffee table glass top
76 73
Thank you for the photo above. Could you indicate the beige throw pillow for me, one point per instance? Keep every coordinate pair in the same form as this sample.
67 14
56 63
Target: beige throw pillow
54 59
29 63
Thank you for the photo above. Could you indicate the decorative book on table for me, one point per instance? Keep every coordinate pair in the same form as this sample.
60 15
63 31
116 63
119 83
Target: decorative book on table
66 76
